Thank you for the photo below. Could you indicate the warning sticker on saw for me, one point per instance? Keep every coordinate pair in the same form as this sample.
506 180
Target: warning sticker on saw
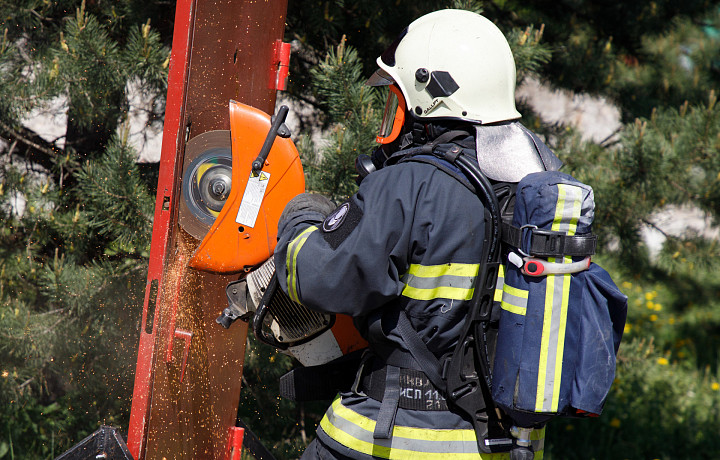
252 198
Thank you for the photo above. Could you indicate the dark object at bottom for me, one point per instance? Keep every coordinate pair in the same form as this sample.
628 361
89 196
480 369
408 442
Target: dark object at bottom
253 445
521 453
105 443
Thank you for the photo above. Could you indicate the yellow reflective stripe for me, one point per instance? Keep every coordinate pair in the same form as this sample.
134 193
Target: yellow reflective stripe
417 436
440 292
499 284
291 261
512 290
568 208
403 431
448 281
434 271
391 453
544 344
514 308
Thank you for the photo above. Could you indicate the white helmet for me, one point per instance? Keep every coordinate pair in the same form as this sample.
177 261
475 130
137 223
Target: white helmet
452 64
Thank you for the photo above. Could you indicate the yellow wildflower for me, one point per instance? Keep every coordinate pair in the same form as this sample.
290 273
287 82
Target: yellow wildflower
715 386
663 361
653 317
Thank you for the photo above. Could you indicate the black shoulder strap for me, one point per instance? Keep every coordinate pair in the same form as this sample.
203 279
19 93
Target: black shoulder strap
466 377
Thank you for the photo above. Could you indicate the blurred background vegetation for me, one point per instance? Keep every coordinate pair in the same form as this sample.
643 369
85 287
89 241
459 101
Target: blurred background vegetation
77 210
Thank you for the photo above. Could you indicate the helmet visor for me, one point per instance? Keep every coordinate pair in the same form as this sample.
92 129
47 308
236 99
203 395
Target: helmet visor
393 118
380 78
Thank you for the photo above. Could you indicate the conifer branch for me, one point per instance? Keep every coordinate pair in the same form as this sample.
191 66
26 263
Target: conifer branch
39 150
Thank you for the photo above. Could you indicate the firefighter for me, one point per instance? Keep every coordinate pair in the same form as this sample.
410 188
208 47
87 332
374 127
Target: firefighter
402 255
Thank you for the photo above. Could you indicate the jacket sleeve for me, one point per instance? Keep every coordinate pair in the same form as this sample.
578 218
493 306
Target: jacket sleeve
352 262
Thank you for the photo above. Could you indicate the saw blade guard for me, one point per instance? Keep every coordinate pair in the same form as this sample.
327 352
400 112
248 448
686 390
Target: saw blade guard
244 233
206 181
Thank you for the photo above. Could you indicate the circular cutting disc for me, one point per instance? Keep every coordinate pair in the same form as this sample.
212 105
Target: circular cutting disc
206 181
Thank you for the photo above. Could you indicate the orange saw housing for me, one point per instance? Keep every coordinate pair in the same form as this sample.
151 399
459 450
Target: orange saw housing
245 232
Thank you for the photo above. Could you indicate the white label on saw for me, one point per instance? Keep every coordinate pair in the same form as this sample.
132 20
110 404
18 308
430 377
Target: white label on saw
252 198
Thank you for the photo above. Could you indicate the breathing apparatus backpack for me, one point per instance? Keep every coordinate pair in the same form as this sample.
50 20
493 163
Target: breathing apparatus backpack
546 347
561 316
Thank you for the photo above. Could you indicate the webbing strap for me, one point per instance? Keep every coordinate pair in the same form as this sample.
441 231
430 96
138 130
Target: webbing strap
548 243
389 405
429 364
416 390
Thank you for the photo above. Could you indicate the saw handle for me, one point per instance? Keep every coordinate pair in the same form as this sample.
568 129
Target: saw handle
261 313
276 128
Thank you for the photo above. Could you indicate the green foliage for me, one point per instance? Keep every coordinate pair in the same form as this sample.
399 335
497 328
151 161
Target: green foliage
657 409
352 110
76 215
64 362
667 159
642 55
122 205
530 53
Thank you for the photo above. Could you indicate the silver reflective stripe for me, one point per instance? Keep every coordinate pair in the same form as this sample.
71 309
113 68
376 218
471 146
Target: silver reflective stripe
462 282
567 212
355 431
514 300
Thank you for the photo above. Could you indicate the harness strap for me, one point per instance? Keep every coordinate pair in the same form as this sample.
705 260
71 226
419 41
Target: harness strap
548 243
427 361
420 357
388 408
416 390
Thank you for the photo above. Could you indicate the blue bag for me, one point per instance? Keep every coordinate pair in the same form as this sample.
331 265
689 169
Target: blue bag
559 333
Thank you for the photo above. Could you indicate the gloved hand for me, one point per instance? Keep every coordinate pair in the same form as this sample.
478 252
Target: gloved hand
307 203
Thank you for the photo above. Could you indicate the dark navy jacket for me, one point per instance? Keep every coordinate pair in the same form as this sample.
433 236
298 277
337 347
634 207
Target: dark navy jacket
410 239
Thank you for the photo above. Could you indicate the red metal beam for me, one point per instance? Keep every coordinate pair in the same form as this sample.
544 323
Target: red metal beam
164 209
184 405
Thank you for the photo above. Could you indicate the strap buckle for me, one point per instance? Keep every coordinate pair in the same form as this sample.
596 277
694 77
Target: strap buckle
355 388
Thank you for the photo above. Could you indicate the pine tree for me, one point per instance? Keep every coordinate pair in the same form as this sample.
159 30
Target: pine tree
76 213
